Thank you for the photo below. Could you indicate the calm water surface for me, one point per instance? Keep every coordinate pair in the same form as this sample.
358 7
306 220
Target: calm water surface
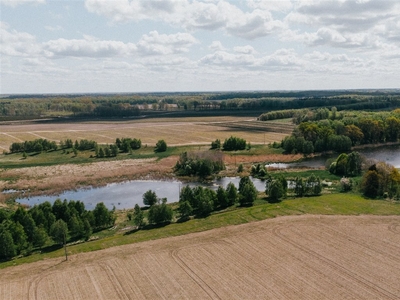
127 194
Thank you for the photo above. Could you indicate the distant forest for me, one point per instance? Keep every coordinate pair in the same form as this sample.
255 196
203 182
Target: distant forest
14 107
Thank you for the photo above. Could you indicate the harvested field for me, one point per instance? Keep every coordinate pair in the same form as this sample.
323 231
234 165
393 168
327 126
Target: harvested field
185 131
301 257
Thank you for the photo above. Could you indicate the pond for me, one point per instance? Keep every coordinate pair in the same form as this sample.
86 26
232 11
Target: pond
389 154
127 194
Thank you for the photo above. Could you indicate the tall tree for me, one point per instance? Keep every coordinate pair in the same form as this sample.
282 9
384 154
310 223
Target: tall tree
7 248
138 216
149 198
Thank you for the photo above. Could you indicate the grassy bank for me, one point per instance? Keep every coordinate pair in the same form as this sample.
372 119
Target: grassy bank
331 204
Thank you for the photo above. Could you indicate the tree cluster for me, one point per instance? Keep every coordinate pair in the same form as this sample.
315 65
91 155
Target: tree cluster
202 164
161 146
234 143
160 212
341 135
200 201
347 164
37 145
311 186
381 180
23 230
127 144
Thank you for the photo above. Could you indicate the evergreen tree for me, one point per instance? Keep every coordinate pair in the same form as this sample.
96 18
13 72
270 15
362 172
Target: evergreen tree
7 248
231 194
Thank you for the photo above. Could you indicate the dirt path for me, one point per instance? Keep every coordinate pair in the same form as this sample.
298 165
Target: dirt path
301 257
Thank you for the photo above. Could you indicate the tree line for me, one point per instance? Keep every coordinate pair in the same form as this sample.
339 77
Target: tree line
110 150
23 230
342 134
125 106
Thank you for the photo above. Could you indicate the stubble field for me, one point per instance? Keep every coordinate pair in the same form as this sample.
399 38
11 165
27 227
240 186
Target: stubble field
202 130
301 257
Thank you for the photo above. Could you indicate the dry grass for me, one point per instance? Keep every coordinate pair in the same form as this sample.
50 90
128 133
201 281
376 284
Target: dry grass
55 179
184 131
304 257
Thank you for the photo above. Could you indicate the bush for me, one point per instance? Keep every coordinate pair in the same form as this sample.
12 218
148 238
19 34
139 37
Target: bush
161 146
233 144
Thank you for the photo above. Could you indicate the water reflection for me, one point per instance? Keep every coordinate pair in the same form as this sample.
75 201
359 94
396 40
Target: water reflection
127 194
390 155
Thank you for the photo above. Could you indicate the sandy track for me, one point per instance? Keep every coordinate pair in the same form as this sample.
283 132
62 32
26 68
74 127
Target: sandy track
302 257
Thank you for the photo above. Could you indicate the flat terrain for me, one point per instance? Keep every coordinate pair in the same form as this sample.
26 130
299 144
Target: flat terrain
69 174
297 257
202 130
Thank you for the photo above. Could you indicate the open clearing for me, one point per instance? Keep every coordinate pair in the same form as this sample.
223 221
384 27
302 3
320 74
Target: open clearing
300 257
202 130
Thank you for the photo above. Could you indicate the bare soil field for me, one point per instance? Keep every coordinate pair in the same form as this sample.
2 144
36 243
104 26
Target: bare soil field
300 257
202 130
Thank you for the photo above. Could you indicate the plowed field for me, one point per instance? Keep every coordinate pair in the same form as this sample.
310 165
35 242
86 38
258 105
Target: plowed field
302 257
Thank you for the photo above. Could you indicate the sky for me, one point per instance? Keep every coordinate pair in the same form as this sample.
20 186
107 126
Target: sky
123 46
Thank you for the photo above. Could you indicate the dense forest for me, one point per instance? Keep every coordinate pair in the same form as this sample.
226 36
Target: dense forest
22 230
134 105
327 130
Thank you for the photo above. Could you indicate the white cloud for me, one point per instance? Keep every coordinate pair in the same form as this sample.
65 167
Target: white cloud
225 59
162 44
244 49
346 23
87 48
191 15
271 5
216 46
14 3
15 43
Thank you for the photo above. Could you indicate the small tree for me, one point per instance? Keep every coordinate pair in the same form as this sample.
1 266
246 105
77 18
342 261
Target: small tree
275 190
138 216
102 216
59 231
231 194
248 194
299 187
161 146
371 184
346 184
216 144
222 198
40 237
185 209
149 198
7 248
160 213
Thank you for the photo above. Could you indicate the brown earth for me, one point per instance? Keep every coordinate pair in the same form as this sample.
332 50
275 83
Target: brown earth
58 178
301 257
186 131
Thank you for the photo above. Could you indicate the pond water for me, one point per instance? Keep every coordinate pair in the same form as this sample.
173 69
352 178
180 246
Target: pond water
390 155
127 194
